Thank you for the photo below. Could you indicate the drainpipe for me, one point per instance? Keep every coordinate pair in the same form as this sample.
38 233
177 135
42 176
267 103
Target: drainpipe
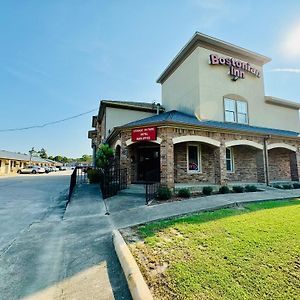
266 158
157 108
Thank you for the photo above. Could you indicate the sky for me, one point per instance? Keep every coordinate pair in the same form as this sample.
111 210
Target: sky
59 58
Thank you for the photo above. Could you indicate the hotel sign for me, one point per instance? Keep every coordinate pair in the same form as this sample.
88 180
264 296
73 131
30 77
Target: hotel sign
143 134
237 68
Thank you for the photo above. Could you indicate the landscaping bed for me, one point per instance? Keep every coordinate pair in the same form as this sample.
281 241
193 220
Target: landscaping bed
166 195
252 252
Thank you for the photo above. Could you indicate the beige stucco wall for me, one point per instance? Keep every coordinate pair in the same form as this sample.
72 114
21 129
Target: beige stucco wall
198 87
181 90
117 117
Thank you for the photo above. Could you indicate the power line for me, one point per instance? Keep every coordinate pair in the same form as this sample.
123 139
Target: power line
48 123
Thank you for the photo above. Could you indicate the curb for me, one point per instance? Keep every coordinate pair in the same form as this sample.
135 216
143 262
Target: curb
138 288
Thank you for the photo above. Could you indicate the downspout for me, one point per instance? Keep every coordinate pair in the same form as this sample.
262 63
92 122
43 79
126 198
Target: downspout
266 159
157 108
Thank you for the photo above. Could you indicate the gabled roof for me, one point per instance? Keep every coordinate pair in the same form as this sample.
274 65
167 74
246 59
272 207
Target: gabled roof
20 156
208 42
176 117
140 106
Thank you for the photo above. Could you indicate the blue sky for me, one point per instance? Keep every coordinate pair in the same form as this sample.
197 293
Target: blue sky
59 58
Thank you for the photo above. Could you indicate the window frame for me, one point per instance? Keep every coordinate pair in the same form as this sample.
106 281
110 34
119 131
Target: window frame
231 159
236 112
199 159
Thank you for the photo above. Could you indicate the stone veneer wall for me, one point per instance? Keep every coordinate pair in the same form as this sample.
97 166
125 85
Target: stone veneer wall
207 162
279 164
173 163
245 164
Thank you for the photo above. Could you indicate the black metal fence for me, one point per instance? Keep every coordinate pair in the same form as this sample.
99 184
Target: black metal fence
151 191
78 176
72 183
113 179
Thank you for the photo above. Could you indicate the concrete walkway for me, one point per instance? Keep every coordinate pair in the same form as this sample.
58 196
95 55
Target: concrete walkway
87 266
131 216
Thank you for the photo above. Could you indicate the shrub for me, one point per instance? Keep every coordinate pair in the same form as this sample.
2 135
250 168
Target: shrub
207 190
238 189
277 186
251 188
224 189
164 193
287 186
93 175
104 156
184 193
296 185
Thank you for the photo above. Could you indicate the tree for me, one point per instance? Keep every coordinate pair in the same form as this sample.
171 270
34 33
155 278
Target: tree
104 155
86 158
43 153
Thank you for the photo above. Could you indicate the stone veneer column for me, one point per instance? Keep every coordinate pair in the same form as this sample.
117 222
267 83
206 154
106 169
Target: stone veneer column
295 164
220 164
166 158
261 166
125 156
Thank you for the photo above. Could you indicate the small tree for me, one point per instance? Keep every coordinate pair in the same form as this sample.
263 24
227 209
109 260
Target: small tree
104 156
43 153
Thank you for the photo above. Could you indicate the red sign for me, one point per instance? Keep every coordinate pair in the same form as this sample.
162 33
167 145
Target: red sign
143 134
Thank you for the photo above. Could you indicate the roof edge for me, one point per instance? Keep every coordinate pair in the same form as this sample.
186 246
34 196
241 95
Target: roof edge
282 102
196 40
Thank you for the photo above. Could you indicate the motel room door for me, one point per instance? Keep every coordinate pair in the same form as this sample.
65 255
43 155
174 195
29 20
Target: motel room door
148 164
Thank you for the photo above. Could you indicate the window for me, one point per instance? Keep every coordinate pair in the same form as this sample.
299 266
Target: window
229 110
229 160
193 159
242 114
236 111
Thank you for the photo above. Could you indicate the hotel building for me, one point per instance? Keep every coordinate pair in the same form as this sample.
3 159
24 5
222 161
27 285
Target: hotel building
215 124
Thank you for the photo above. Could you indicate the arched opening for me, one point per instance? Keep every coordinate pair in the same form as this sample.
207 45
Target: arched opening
282 164
244 162
144 162
195 160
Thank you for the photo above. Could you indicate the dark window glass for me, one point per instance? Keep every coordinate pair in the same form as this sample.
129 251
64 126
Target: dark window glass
193 158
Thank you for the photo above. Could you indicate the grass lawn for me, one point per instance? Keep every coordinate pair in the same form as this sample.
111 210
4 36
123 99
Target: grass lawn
249 253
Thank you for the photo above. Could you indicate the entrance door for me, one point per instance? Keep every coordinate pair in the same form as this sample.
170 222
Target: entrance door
148 164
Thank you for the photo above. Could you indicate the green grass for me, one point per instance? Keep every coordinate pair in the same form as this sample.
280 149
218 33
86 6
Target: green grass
251 253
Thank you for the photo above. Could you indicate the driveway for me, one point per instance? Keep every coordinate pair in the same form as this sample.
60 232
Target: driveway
26 199
50 251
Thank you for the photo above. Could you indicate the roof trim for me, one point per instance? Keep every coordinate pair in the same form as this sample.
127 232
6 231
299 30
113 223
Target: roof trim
282 102
206 41
130 106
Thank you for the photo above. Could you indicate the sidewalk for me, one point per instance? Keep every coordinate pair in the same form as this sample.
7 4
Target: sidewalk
131 216
87 230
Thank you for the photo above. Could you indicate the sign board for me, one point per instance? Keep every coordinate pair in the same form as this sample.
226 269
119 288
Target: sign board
237 68
143 134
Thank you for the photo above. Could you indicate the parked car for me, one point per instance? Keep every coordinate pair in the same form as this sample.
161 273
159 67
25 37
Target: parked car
54 169
62 168
32 170
48 169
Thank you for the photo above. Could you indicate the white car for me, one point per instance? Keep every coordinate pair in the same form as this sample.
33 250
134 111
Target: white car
54 169
32 170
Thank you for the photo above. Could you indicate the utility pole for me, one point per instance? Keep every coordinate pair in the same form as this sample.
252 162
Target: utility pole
31 153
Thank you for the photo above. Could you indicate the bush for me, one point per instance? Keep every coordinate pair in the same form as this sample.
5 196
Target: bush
251 188
93 175
287 186
207 190
296 185
164 194
277 186
224 189
238 189
184 193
